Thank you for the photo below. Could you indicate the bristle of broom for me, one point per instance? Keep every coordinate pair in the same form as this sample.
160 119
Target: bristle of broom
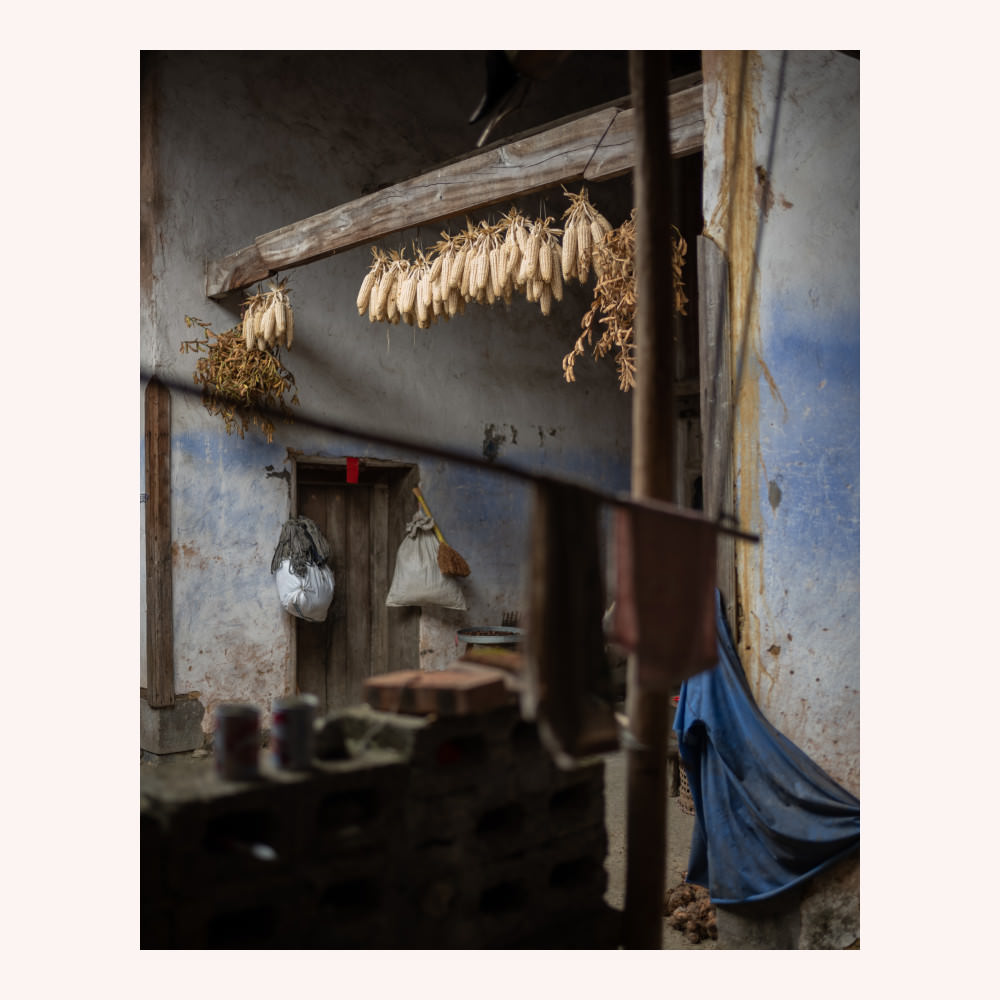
450 562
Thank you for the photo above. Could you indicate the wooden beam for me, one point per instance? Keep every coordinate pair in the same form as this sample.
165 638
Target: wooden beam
597 146
653 461
159 558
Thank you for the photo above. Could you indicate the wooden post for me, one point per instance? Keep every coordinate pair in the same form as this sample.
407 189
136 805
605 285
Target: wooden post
653 477
717 407
159 560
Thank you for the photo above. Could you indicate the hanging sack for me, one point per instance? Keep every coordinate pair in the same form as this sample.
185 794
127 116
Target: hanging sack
417 579
301 574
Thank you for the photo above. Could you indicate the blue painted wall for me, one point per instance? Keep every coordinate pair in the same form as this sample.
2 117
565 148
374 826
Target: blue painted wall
797 451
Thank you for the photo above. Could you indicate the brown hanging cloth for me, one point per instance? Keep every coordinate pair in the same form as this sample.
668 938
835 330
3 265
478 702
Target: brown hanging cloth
569 690
665 603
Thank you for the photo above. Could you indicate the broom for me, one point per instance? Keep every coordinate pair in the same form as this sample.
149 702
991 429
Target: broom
449 561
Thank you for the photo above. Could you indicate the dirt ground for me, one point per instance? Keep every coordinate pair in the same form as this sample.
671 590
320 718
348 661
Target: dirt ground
679 828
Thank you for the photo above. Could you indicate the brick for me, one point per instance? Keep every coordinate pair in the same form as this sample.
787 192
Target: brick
454 691
461 691
392 692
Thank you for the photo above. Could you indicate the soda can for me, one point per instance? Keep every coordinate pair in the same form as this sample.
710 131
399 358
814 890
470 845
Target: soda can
237 741
292 732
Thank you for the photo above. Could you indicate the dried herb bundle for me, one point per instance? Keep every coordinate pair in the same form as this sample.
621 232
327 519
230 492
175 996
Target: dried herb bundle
612 314
237 378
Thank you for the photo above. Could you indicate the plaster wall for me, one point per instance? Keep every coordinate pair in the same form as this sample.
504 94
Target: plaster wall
796 314
244 145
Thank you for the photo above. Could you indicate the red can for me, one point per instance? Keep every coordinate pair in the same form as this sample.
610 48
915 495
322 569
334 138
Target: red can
292 732
237 742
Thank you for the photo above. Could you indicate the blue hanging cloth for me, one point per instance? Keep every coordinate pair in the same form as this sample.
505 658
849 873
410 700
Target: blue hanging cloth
767 816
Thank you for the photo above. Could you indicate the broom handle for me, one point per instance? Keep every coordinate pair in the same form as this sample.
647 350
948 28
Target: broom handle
423 503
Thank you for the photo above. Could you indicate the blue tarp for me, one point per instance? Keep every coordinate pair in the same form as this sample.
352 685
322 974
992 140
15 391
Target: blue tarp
767 816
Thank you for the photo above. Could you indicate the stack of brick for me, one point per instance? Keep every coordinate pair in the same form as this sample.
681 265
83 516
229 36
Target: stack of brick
427 832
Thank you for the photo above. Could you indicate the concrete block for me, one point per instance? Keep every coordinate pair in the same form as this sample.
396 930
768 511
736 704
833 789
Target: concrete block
352 902
217 833
246 915
151 858
175 729
353 805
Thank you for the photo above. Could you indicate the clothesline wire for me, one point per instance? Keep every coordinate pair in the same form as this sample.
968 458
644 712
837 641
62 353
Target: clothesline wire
304 419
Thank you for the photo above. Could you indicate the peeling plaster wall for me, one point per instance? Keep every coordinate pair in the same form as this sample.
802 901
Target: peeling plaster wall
244 146
796 442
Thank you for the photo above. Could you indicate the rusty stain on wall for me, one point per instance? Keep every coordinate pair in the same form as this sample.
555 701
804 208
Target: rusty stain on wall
772 385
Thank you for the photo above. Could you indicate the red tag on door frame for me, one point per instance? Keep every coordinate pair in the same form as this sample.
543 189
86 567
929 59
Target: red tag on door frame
352 470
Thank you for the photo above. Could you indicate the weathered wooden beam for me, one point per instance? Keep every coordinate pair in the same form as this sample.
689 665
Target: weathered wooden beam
594 147
653 477
159 557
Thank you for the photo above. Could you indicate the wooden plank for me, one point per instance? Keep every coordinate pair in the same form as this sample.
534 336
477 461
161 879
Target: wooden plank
159 557
717 407
567 152
616 153
379 575
313 638
337 652
357 620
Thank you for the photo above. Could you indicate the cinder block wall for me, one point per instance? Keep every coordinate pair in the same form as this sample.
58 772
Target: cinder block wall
420 833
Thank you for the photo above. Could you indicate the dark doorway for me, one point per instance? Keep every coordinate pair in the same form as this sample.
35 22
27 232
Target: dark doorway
364 524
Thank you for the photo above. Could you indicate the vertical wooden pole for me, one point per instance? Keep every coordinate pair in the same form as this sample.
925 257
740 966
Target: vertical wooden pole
716 408
653 460
159 560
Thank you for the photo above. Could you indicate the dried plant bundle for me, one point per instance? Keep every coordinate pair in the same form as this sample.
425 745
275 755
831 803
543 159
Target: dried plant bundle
612 314
237 378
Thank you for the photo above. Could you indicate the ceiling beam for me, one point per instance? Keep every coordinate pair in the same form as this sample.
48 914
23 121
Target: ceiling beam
594 147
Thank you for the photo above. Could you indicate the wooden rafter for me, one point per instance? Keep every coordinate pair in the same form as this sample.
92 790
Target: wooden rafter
594 147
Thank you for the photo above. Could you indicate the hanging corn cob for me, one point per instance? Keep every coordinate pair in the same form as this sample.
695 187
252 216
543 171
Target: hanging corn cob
485 262
584 229
268 321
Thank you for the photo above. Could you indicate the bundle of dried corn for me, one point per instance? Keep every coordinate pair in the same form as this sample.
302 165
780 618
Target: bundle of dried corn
584 230
238 377
484 262
267 318
614 300
540 273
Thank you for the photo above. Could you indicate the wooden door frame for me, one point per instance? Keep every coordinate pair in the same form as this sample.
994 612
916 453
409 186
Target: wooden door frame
400 493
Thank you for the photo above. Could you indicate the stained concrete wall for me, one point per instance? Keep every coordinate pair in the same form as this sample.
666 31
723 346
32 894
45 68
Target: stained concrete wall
796 312
243 145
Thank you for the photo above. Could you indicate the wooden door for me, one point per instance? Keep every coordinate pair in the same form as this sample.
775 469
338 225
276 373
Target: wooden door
363 523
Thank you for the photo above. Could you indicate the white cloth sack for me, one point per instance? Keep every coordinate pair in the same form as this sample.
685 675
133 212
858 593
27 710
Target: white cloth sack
307 597
417 579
